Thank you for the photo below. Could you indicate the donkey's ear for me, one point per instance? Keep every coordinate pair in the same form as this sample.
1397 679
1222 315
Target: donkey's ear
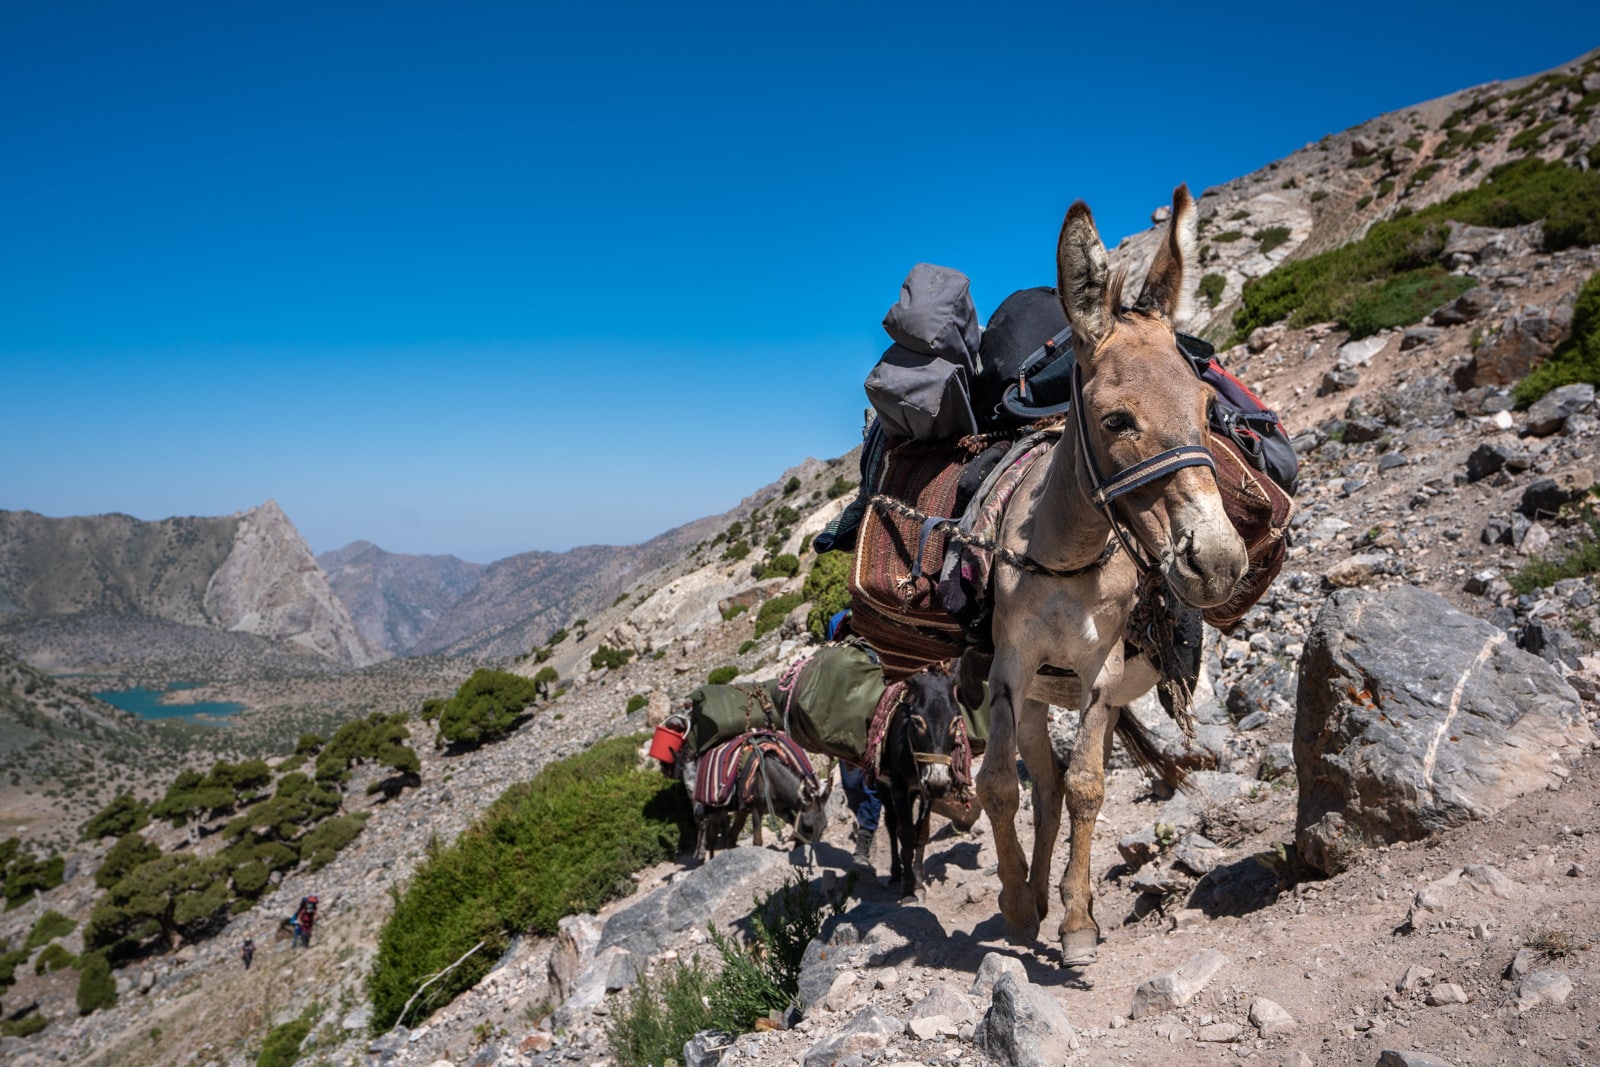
1164 290
1081 275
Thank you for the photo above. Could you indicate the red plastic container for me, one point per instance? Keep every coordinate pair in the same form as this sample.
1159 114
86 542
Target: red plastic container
665 744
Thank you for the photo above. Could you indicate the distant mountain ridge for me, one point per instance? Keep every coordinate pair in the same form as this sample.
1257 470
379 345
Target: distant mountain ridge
394 598
250 572
421 605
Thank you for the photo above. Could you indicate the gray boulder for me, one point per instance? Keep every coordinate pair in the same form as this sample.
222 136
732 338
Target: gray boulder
1525 339
1025 1026
1550 412
1546 496
577 937
1177 987
649 926
1414 717
869 1030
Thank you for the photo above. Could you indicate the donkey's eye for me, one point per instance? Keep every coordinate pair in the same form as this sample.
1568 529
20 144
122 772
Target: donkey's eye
1118 422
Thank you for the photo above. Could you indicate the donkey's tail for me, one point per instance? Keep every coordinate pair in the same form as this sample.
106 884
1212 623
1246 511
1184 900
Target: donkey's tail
1150 756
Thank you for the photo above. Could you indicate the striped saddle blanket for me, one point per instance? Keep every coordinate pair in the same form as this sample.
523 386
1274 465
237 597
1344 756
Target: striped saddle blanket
727 774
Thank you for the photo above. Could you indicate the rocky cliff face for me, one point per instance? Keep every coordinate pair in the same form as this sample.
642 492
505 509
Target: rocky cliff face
270 585
251 572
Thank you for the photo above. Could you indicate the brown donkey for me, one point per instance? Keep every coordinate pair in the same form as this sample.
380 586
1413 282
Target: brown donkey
1128 496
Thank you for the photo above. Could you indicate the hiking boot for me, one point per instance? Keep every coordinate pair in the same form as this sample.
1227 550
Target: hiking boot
862 857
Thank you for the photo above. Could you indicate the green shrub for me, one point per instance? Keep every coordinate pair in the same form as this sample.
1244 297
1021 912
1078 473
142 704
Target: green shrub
175 895
840 486
25 874
661 1015
96 987
734 611
1425 172
1310 290
746 645
736 551
249 879
309 744
129 851
192 795
1577 359
1211 287
486 706
1385 187
1228 237
1401 300
26 1026
786 565
282 1046
1575 220
122 816
773 612
543 680
298 805
322 844
1272 237
53 959
9 962
1529 138
1543 573
722 675
609 658
49 926
562 844
751 981
827 589
792 485
637 702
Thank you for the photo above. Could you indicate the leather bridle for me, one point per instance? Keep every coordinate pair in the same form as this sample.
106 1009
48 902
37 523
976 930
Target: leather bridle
1103 491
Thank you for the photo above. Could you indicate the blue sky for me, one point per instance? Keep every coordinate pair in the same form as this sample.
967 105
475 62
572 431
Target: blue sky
483 278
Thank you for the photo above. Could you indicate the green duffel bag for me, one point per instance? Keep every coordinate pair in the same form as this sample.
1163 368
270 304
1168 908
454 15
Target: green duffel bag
719 713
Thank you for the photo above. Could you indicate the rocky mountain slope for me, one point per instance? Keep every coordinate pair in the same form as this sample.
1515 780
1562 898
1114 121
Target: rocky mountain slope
1468 945
250 573
1331 191
393 598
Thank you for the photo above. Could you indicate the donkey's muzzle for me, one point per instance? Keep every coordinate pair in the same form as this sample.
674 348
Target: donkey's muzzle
933 774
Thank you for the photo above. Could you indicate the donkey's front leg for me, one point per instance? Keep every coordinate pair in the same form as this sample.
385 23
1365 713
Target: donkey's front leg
919 875
1039 756
1086 792
998 793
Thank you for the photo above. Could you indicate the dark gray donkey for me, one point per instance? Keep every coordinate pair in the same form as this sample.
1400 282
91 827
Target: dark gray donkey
924 742
761 771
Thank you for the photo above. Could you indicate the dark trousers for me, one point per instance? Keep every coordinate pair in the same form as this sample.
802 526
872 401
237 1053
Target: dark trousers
863 801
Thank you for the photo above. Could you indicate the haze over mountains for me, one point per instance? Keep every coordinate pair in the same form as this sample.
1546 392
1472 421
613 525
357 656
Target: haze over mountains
420 605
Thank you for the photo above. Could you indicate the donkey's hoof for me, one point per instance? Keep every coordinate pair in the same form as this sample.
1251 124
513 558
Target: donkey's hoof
1079 948
1022 923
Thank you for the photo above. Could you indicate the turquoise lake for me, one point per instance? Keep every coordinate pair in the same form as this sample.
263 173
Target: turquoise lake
146 703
